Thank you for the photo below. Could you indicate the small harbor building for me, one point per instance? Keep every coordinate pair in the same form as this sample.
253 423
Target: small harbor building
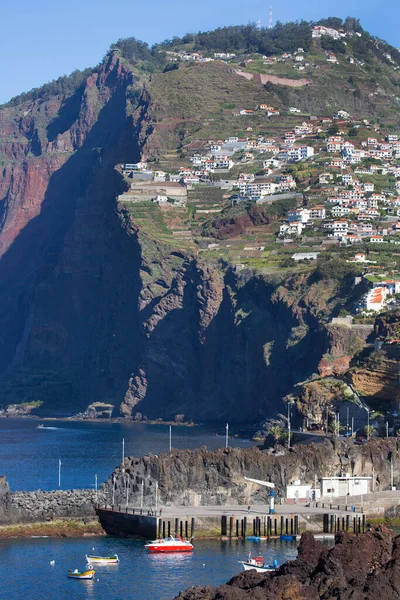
345 486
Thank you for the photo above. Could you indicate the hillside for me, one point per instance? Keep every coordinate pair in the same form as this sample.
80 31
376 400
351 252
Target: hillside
191 304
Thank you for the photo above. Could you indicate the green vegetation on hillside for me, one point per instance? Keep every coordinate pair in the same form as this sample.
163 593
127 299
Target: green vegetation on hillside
65 85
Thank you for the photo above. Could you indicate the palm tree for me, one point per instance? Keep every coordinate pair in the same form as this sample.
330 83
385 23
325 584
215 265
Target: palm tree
276 432
369 430
336 427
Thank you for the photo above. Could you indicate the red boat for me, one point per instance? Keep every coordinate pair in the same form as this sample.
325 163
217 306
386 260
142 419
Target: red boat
170 544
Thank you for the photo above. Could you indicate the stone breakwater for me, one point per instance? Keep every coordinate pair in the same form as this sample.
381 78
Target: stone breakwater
33 507
199 477
358 567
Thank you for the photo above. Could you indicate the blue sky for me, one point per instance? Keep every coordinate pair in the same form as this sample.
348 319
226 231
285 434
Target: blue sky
42 39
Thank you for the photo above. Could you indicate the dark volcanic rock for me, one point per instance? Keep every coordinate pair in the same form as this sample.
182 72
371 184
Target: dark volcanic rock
199 477
364 567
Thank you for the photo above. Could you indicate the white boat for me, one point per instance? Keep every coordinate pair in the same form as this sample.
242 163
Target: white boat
258 564
170 544
105 560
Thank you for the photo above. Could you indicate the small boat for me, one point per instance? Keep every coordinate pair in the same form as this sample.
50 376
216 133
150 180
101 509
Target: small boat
287 538
76 574
41 426
258 564
255 538
106 560
170 544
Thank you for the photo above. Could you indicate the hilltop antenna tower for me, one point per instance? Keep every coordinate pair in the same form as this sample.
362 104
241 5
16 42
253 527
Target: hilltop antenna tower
270 21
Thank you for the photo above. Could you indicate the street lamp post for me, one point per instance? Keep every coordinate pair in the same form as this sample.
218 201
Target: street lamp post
288 422
368 425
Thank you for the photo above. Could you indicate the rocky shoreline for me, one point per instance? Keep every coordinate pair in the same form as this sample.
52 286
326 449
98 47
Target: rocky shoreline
358 567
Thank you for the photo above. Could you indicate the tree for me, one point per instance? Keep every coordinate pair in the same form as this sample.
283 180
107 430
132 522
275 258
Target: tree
276 432
369 430
336 427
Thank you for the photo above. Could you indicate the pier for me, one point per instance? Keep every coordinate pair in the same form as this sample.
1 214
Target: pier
226 521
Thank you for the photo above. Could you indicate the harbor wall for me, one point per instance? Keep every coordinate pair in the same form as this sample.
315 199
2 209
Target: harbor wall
39 506
127 524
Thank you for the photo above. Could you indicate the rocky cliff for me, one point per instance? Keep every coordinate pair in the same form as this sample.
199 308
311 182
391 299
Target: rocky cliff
93 308
217 478
357 567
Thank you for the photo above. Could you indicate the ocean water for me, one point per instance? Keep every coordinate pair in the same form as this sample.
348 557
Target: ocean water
29 456
26 571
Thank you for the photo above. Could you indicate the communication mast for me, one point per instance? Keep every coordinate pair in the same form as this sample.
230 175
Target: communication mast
270 21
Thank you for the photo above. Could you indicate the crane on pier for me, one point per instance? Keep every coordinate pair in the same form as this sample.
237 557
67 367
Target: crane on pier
267 484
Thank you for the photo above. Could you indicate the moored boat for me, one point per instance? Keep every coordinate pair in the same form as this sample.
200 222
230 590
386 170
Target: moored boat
258 564
287 538
170 544
106 560
87 574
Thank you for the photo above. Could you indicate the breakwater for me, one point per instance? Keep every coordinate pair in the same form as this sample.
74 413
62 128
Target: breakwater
31 507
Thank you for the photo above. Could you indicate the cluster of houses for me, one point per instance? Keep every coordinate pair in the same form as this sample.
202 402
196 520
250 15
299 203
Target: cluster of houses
320 30
353 211
349 210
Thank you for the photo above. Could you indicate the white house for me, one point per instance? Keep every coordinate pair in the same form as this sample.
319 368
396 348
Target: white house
340 211
294 228
375 299
317 212
302 215
301 492
305 256
345 486
368 187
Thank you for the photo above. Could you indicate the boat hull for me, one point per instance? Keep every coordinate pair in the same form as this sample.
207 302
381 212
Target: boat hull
81 575
165 549
266 569
102 560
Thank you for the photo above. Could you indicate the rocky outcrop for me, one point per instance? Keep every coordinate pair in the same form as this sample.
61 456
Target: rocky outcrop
364 567
344 344
199 477
377 378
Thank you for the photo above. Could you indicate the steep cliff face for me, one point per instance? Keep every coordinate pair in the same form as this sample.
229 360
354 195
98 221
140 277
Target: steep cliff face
217 345
65 271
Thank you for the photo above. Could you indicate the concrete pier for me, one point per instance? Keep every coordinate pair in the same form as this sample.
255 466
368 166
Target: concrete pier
224 522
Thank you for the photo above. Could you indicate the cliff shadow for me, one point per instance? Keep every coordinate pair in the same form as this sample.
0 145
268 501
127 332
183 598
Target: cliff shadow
34 262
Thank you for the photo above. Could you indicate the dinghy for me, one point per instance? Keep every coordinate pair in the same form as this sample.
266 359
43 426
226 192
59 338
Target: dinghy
76 574
106 560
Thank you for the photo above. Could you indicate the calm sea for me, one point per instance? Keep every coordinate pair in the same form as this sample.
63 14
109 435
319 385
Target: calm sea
26 571
29 456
